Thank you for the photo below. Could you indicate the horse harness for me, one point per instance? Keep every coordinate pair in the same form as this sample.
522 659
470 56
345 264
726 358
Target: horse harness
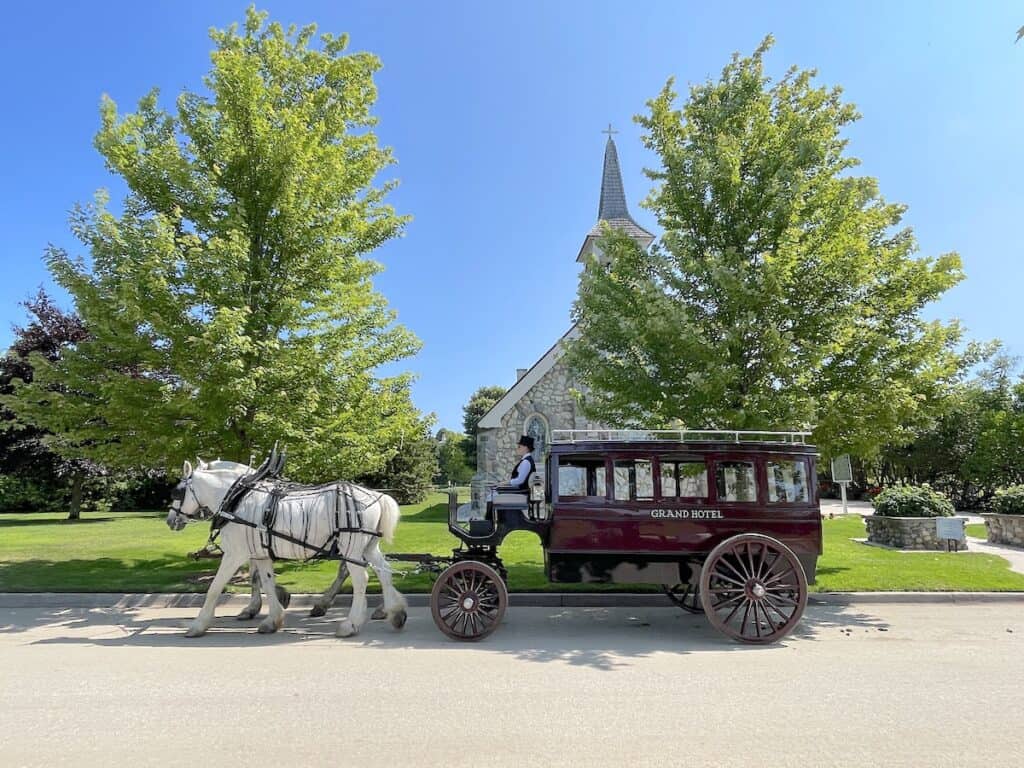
347 515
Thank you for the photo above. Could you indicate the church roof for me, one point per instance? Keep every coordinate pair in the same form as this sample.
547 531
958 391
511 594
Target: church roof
612 206
526 382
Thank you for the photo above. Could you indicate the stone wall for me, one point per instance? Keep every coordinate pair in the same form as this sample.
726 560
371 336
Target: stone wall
906 532
551 398
1005 529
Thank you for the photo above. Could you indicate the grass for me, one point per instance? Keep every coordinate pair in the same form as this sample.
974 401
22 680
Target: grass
135 552
977 530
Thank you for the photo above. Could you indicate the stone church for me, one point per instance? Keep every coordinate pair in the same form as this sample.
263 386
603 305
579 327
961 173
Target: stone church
540 400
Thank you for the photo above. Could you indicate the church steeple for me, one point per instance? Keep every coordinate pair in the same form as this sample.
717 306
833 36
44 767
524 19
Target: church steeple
612 206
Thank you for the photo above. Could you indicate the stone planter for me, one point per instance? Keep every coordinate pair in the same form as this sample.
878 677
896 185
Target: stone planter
1004 529
906 532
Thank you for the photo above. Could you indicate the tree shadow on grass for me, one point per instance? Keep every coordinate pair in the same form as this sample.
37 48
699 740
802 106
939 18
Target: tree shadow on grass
105 574
6 522
436 513
605 639
53 521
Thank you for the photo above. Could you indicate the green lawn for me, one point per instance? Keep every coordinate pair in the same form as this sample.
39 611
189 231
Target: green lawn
135 552
977 530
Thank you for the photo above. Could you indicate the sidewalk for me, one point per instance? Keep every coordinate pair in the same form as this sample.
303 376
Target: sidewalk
116 600
1013 555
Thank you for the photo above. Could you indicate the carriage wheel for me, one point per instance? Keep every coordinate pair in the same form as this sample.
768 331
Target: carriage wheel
753 588
685 596
468 600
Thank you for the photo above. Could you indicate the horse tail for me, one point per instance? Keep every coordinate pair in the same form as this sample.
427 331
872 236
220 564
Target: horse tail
390 513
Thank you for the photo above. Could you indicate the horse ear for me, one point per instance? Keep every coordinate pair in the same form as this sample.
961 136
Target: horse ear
186 469
200 464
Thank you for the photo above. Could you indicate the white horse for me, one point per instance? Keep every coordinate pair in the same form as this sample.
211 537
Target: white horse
252 610
311 516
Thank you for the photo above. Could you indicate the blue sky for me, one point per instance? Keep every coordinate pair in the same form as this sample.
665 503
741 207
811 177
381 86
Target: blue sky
494 112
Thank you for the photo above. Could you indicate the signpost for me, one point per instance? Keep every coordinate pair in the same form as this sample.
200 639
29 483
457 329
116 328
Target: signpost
842 473
952 530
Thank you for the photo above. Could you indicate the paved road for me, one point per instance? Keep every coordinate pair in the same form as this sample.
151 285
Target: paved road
909 685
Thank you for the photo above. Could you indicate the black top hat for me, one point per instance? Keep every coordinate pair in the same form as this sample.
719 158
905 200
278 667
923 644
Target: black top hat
527 441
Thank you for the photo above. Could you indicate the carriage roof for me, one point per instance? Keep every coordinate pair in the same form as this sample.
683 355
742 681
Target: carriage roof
662 441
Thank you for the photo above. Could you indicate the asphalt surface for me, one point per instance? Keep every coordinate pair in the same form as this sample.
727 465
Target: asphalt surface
863 684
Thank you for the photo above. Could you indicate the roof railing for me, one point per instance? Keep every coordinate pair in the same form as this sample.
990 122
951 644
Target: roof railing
795 437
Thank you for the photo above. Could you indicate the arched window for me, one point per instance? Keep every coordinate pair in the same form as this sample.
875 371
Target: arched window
536 426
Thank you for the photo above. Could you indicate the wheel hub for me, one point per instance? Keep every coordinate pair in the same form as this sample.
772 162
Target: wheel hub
468 602
757 590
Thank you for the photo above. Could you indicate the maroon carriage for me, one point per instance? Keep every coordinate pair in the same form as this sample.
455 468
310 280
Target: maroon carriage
726 522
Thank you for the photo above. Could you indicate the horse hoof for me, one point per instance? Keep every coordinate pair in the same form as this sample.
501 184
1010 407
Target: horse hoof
398 618
267 627
246 615
317 610
345 629
379 614
194 631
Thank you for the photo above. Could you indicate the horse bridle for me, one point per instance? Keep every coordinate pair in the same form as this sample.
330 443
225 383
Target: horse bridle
178 495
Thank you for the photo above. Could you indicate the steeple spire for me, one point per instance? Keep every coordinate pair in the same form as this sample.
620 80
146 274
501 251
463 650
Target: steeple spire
612 206
613 196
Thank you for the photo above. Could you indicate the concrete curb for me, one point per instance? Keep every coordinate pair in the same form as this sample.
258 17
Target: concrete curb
520 599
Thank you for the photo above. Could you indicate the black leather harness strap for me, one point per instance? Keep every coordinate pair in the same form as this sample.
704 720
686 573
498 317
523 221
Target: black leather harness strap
266 527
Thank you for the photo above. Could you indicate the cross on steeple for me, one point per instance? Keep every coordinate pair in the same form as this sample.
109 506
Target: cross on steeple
610 130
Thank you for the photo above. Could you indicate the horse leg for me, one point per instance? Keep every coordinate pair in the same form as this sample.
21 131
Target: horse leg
326 600
229 564
284 597
394 604
252 610
275 611
357 613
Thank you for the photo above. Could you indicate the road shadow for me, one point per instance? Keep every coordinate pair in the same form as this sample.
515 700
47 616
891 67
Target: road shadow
604 639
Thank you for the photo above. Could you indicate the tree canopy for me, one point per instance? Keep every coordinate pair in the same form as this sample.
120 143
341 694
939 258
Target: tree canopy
230 303
784 291
480 402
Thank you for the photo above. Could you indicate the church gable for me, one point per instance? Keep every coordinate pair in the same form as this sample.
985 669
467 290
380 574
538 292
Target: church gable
545 406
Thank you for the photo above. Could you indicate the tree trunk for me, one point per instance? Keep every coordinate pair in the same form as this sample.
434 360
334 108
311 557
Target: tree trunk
77 481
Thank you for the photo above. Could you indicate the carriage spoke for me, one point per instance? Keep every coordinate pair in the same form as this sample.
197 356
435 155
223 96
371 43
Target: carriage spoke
780 577
739 571
768 602
760 563
766 572
777 596
723 603
723 577
750 559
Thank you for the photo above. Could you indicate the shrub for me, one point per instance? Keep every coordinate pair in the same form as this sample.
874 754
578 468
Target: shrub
913 501
1009 501
18 494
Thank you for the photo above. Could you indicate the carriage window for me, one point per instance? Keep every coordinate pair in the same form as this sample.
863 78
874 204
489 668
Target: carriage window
634 480
787 481
581 478
735 481
684 479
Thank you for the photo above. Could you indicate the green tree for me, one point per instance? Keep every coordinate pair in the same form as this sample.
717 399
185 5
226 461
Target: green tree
784 291
409 473
451 457
231 305
479 404
26 451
